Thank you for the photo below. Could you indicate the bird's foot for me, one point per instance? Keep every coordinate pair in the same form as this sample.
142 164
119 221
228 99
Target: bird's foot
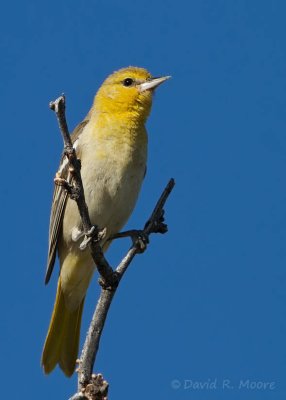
77 234
92 234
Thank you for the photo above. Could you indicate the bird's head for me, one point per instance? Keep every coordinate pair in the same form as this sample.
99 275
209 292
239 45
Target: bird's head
127 92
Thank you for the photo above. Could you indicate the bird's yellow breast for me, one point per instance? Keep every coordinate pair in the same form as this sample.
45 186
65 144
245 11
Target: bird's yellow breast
113 166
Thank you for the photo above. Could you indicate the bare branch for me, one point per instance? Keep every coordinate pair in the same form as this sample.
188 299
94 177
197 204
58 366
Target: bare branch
90 386
104 269
91 344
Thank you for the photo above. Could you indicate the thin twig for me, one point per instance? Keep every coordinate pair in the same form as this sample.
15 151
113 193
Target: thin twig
91 344
104 269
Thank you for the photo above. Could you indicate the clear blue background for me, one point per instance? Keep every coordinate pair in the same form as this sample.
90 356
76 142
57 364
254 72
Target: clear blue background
206 302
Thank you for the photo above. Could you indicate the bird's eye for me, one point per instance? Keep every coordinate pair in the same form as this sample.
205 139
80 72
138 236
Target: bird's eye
128 82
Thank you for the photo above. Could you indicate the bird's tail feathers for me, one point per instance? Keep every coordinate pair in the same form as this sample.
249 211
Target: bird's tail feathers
62 342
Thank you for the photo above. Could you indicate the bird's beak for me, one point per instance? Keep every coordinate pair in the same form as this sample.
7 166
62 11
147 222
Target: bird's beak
152 83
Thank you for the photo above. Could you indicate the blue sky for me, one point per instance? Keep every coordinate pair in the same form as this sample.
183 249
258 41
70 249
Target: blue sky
206 302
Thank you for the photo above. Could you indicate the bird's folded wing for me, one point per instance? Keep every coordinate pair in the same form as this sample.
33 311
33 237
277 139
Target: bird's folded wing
59 203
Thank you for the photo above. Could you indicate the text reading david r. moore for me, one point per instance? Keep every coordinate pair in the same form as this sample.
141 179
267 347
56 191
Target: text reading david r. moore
244 384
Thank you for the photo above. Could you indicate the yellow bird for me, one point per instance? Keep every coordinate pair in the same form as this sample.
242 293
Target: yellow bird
111 143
